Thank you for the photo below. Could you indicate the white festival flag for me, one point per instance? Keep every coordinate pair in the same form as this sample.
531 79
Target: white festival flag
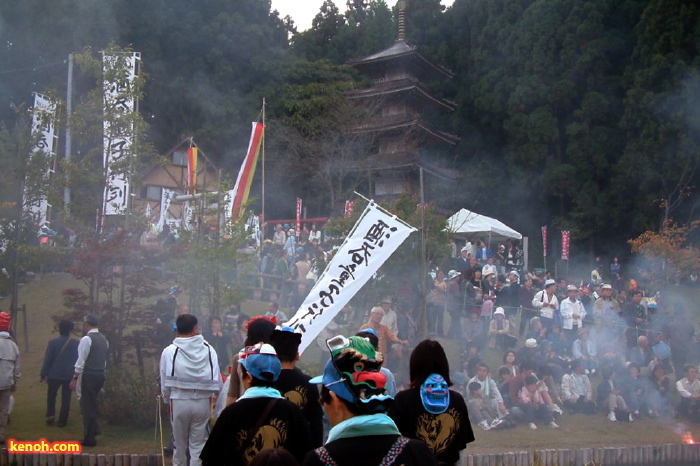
118 100
166 197
43 127
374 238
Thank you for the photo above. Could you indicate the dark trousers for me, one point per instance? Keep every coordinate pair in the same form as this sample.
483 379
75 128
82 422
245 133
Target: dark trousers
89 389
54 385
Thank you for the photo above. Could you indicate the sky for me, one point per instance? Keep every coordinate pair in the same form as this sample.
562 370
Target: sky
303 11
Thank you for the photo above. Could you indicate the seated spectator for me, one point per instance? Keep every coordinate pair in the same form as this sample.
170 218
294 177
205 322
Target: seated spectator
504 376
509 362
499 329
538 331
559 343
481 411
586 351
515 384
641 355
473 331
576 390
659 393
549 390
533 405
609 396
633 390
529 352
555 363
473 360
689 390
489 390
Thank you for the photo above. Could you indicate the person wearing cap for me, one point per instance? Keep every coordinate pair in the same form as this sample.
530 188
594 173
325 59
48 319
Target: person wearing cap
463 262
353 395
546 302
57 372
90 369
371 335
260 419
9 371
385 335
429 407
499 329
572 314
509 296
294 385
489 267
605 308
390 318
189 377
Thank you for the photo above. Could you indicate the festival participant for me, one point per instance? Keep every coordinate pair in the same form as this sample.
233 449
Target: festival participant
689 390
260 419
390 318
576 390
370 335
259 329
499 331
294 385
9 371
57 372
585 350
515 384
90 369
429 405
189 377
436 304
354 399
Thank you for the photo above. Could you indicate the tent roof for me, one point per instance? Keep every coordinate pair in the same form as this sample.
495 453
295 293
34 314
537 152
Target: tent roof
468 223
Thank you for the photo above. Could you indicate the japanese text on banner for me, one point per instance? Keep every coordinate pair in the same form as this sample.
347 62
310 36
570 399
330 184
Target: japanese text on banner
372 241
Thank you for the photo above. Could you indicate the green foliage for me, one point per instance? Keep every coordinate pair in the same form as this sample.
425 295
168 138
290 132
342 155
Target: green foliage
128 399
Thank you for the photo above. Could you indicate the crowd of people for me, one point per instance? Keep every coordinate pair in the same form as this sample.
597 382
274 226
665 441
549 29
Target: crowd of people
561 341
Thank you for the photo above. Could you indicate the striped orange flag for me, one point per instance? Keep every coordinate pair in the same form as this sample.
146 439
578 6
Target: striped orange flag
247 172
192 168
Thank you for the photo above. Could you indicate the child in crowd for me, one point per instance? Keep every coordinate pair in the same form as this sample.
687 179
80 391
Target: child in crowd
533 404
481 412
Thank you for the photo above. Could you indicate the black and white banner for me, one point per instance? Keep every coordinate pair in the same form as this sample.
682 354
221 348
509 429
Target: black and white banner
120 73
44 129
374 238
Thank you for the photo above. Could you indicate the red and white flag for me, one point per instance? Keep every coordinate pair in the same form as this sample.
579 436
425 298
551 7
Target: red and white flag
565 245
544 240
349 208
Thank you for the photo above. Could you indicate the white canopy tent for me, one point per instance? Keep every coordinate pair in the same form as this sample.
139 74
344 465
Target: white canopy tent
466 223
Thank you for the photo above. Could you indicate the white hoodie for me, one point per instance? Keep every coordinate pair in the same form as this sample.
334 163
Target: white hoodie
189 369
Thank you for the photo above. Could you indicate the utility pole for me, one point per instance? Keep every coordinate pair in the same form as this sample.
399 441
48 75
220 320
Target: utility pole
69 113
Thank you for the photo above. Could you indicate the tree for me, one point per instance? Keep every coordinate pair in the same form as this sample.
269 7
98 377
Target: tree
670 257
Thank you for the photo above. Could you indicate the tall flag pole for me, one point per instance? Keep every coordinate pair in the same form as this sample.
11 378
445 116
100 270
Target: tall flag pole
263 218
238 196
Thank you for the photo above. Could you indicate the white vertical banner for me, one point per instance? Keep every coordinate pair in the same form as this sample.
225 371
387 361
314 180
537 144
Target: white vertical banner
44 129
167 195
298 224
374 238
120 73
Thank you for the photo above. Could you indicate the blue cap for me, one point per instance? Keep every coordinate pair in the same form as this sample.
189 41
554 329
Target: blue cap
261 361
369 330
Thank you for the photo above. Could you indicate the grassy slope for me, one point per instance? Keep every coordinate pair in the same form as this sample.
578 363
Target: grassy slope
42 298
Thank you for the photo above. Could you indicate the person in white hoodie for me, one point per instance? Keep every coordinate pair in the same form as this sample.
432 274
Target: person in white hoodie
9 371
189 377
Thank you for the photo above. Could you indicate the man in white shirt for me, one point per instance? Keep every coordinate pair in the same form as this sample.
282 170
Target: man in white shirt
189 377
546 302
390 318
489 267
689 390
572 314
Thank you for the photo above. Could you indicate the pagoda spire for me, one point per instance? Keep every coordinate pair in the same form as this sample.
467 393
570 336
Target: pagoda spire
402 20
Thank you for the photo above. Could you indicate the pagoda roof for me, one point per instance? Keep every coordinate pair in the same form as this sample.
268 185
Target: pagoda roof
399 86
406 122
398 51
406 160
